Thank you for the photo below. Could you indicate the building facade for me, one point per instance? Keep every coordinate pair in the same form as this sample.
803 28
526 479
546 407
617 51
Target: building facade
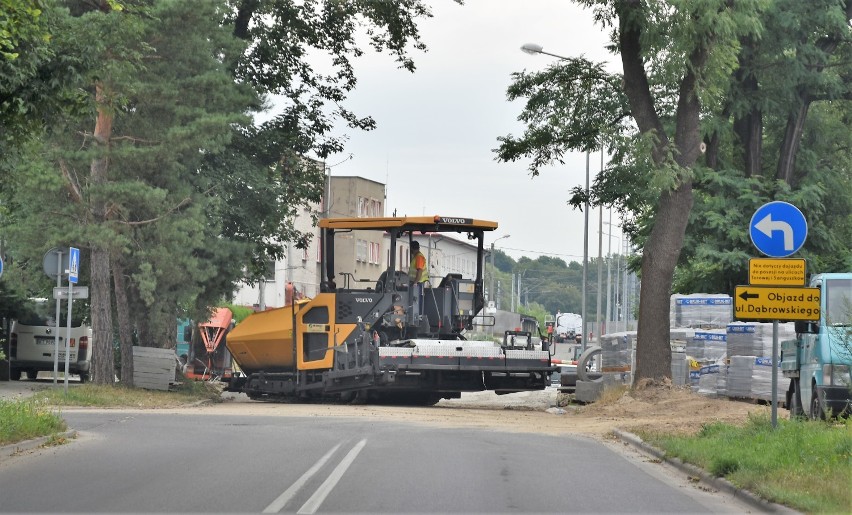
347 197
363 254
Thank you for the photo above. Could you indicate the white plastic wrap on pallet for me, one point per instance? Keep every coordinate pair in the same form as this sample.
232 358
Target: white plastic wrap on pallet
700 310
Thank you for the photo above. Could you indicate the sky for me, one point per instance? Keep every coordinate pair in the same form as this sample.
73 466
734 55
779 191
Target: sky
438 127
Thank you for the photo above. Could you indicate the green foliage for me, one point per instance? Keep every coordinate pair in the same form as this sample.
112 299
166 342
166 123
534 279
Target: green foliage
802 464
766 60
196 198
240 312
24 420
286 36
502 261
549 285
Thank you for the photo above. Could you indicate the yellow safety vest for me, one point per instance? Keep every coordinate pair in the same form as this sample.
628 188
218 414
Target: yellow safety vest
412 269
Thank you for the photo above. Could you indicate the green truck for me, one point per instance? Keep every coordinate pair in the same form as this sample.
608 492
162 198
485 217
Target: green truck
819 360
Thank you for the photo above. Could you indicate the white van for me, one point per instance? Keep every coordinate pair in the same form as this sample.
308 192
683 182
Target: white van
31 349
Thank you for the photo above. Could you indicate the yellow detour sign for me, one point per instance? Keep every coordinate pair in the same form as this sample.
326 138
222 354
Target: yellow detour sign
776 272
780 303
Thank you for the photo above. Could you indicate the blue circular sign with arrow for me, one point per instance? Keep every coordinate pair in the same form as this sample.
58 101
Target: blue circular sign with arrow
778 229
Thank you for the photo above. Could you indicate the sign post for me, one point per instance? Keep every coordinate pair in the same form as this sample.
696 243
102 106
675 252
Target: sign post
53 264
73 276
776 286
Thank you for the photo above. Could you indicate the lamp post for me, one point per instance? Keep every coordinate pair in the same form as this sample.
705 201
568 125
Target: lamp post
532 48
491 295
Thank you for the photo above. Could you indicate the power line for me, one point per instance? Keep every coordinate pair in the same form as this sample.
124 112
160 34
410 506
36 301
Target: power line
543 253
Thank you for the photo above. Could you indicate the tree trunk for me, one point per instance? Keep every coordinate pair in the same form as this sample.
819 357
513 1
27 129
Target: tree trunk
661 251
124 330
792 138
749 127
103 357
101 306
659 258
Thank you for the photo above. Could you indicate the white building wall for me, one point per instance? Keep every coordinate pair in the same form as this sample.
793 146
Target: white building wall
350 197
444 255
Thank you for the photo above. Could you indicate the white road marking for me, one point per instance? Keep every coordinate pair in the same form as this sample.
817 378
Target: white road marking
288 494
313 504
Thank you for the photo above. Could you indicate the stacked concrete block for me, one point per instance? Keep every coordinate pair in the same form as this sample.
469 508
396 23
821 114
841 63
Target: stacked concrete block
750 377
616 351
722 381
750 353
704 310
680 368
708 346
755 339
708 380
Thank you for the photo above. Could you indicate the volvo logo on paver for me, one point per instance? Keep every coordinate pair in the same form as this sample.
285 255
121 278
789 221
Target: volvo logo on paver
363 299
778 229
455 220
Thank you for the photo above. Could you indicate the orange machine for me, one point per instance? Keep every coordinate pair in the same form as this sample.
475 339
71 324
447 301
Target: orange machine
209 358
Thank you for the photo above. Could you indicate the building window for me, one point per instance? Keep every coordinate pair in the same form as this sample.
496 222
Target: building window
375 252
269 274
361 250
368 207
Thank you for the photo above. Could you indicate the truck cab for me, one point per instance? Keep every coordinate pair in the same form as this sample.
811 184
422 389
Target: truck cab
819 360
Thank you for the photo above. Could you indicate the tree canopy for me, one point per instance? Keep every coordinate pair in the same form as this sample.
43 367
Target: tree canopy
157 169
708 89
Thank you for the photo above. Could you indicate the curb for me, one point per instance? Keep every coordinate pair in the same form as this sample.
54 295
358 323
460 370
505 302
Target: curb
11 450
719 483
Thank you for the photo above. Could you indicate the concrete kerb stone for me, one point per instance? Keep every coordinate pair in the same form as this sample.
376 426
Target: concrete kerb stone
702 475
8 451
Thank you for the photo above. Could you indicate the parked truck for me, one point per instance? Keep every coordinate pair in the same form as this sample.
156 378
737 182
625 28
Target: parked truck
819 360
385 339
568 327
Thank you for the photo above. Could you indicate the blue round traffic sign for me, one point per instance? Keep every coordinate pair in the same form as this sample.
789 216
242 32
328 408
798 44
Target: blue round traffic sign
778 229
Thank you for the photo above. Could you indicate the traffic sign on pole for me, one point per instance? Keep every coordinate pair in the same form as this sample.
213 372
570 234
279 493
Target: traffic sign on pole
776 303
73 265
776 271
778 229
76 292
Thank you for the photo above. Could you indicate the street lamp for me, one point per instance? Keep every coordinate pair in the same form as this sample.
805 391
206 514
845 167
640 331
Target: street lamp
491 295
532 48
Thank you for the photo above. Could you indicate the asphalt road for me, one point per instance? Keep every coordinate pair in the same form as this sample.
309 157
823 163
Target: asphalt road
126 461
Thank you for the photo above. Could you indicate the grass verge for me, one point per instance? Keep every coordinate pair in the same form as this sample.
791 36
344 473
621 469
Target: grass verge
37 416
27 419
806 465
99 396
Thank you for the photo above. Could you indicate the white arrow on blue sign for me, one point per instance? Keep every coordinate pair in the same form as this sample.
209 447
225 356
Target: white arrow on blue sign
778 229
74 265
